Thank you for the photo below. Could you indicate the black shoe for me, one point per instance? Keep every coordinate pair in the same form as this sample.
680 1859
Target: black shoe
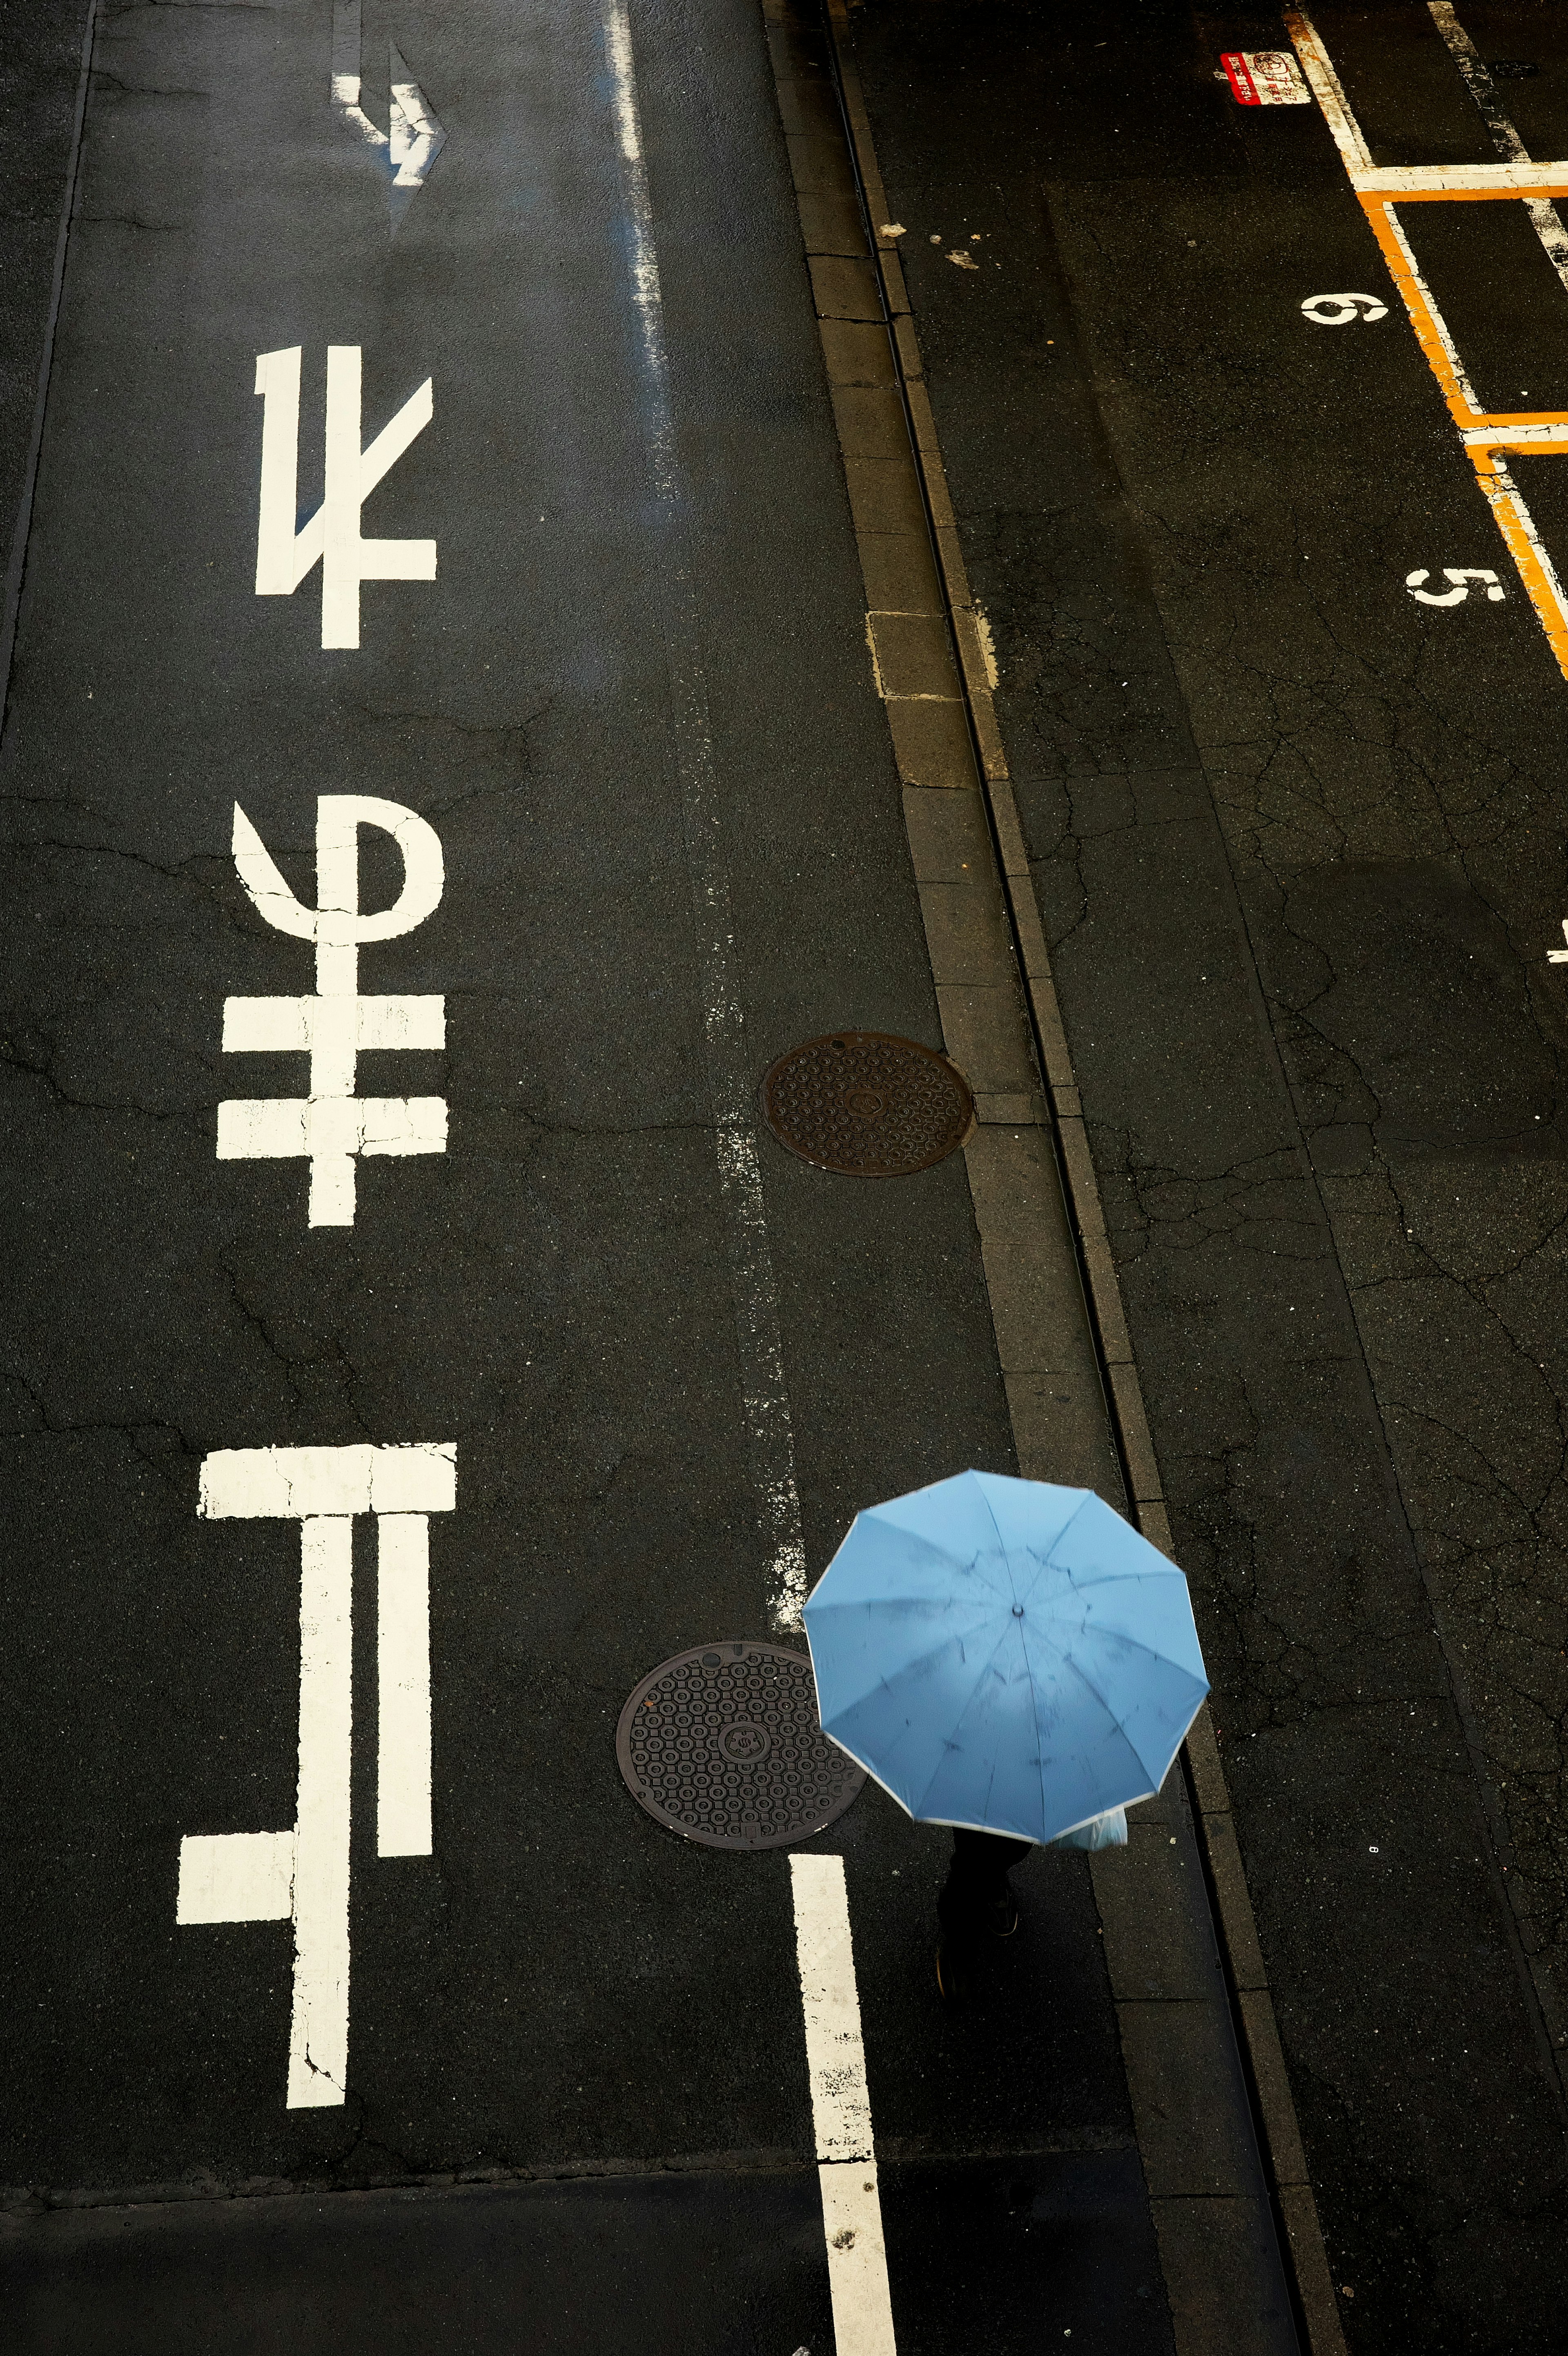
1002 1916
954 1984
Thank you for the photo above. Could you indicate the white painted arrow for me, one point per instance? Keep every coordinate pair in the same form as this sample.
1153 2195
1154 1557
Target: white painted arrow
413 139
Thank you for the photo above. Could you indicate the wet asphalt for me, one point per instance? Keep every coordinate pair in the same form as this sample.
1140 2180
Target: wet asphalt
577 2100
1299 845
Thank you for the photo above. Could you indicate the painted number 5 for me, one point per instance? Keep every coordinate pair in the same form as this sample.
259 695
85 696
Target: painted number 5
1338 310
1461 576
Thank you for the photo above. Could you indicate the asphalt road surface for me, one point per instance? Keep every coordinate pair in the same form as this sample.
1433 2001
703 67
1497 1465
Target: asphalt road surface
1298 840
517 1293
525 2070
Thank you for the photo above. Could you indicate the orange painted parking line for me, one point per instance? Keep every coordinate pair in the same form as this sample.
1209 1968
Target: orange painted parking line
1486 434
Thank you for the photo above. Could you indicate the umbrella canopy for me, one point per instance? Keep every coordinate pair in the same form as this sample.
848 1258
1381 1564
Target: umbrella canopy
1005 1654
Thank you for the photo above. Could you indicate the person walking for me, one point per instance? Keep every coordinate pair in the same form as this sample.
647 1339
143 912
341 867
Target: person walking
976 1904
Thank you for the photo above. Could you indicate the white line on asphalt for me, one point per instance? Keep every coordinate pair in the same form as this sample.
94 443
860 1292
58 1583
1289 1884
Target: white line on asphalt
264 1877
1439 324
413 139
402 1673
284 556
764 1397
841 2110
318 2030
1486 438
331 1126
1543 216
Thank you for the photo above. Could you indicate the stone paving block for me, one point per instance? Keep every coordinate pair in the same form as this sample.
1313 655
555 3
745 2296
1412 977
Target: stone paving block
1154 1909
1058 1428
913 654
1188 2098
900 576
947 835
817 163
884 495
932 742
1208 2248
982 1030
856 353
830 222
871 422
845 289
968 936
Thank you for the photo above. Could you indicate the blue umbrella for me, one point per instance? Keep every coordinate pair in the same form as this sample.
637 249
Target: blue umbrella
1005 1654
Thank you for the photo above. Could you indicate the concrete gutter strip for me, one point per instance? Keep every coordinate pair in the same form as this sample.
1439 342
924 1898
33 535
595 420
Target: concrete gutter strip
1066 1358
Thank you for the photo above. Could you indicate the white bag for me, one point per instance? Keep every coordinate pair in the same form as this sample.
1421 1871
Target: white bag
1109 1831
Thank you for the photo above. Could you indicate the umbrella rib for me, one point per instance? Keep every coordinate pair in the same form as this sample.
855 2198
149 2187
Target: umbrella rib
958 1721
1002 1544
1105 1705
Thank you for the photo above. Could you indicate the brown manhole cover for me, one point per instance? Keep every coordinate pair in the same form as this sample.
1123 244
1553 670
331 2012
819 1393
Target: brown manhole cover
867 1104
723 1745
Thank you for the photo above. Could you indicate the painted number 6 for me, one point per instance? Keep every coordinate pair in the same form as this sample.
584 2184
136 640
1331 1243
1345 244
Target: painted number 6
1461 576
1338 310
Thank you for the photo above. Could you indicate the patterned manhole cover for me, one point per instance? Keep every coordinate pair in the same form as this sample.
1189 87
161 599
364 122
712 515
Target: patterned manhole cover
867 1104
723 1745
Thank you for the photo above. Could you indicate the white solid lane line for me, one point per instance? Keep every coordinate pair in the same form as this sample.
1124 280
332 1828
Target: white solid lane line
318 2033
731 1080
841 2110
1543 216
402 1675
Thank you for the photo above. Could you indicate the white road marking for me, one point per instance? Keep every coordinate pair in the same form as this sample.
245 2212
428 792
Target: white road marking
1487 436
1338 310
262 1877
284 556
1461 575
765 1398
1544 215
236 1878
402 1670
319 2029
413 139
331 1126
841 2109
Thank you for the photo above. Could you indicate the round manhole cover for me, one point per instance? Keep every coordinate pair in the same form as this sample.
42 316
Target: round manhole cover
867 1104
723 1745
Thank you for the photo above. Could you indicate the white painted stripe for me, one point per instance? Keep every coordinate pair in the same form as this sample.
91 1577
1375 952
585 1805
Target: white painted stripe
278 384
1505 494
835 2053
1543 217
841 2109
1439 324
402 1672
731 1079
1324 84
1515 437
318 2034
857 2260
299 1484
284 556
1481 85
1439 179
236 1878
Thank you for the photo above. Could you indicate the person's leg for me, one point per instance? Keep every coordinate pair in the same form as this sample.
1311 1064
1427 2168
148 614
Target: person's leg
975 1900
